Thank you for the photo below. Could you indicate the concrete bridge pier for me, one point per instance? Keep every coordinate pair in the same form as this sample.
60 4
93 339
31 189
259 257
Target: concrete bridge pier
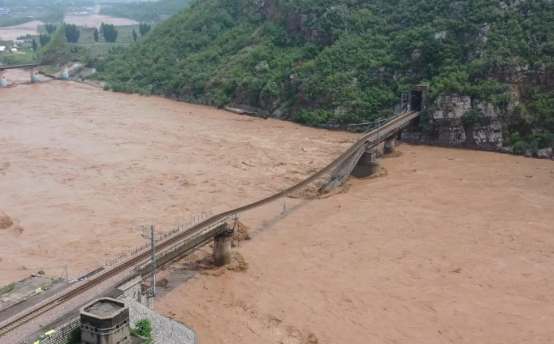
3 80
222 248
64 72
367 166
34 74
390 145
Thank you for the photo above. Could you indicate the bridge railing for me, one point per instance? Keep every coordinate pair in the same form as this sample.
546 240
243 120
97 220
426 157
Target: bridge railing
366 126
19 65
195 219
194 241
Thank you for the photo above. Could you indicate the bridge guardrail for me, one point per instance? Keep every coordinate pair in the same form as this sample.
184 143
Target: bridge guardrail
184 226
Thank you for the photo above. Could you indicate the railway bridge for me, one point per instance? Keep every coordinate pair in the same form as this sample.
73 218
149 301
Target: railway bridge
33 67
359 159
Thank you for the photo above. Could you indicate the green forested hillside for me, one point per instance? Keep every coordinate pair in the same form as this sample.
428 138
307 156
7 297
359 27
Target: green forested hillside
344 61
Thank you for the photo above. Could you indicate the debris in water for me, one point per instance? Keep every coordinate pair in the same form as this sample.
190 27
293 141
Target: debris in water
5 221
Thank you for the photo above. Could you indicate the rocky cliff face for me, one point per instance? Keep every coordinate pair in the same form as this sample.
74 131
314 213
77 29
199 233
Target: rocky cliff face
443 124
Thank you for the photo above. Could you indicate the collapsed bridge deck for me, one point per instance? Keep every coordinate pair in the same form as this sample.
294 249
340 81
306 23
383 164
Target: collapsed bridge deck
194 236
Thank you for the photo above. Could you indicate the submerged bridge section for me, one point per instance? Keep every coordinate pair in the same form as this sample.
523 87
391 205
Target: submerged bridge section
33 67
182 242
19 66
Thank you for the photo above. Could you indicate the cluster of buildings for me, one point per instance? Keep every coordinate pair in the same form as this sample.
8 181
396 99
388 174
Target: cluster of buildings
16 44
14 10
4 11
80 11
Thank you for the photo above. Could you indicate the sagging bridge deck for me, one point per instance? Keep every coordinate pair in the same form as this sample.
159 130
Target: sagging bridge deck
203 231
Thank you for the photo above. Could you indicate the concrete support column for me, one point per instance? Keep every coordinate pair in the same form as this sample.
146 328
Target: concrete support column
222 248
34 74
390 145
64 72
3 80
368 165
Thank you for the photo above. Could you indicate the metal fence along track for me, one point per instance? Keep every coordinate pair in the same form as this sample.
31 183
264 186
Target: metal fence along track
371 139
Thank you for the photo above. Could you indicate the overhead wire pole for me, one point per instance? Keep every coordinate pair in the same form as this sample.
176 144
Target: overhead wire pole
153 243
152 238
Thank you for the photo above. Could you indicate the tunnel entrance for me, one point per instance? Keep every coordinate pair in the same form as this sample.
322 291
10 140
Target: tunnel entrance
416 100
418 97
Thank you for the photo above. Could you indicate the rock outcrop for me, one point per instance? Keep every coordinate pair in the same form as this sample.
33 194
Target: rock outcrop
443 125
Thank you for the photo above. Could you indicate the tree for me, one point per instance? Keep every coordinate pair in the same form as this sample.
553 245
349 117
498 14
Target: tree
50 28
144 29
72 33
43 39
95 34
134 35
110 33
35 46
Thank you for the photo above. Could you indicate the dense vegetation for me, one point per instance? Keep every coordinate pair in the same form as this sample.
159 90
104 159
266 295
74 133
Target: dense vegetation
72 33
143 328
145 11
343 61
109 32
144 29
54 52
50 28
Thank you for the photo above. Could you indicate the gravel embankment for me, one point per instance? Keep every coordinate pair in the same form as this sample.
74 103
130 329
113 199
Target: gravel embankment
164 330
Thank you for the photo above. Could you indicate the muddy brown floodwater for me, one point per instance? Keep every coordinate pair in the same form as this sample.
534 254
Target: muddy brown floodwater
93 20
452 246
12 32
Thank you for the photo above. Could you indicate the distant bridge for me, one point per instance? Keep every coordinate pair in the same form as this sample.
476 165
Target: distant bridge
34 71
20 66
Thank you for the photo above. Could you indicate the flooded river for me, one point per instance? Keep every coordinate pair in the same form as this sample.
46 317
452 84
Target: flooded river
93 20
451 246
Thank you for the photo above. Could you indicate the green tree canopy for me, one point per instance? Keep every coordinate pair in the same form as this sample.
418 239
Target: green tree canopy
72 33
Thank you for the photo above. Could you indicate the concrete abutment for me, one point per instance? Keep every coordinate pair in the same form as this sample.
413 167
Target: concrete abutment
3 79
367 166
34 74
222 248
64 74
390 145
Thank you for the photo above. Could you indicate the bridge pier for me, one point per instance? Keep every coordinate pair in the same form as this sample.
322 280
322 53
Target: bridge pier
390 144
64 72
3 80
367 166
222 247
34 74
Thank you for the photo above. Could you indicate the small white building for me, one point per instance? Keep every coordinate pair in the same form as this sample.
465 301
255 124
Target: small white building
2 48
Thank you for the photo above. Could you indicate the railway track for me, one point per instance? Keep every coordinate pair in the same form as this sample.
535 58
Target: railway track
17 66
372 139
